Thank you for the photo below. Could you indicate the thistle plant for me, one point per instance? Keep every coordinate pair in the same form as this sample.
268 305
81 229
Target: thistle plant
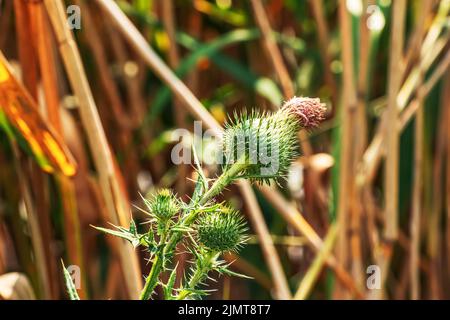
255 146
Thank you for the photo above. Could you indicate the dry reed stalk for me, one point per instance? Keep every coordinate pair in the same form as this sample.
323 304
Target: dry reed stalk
429 53
435 237
35 231
115 201
311 276
46 58
413 54
416 38
276 59
257 220
130 32
5 19
50 86
437 74
401 284
273 52
392 128
115 267
94 42
29 175
133 90
124 122
174 60
412 81
295 219
289 241
195 27
274 55
346 188
27 57
324 41
24 248
417 204
242 265
112 281
376 148
360 140
140 45
133 84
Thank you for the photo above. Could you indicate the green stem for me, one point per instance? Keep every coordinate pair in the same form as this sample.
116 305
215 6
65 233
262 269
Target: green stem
152 280
225 178
199 275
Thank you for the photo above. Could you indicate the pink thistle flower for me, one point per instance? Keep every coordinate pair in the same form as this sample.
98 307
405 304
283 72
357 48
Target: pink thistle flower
309 112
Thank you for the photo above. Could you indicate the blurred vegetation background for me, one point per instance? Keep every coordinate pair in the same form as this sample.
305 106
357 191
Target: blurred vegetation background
87 119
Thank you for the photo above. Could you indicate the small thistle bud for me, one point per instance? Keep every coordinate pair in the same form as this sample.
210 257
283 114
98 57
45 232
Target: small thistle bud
163 205
222 230
309 112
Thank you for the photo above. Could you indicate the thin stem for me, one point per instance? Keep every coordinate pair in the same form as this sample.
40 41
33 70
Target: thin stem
152 280
200 274
224 180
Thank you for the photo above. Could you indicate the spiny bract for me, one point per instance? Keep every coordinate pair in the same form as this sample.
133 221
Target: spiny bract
222 230
163 205
266 144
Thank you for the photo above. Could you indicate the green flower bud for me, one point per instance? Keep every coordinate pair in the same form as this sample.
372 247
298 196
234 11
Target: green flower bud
163 205
266 144
222 230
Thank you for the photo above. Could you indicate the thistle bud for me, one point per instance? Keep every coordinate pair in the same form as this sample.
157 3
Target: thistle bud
309 112
222 230
266 144
163 205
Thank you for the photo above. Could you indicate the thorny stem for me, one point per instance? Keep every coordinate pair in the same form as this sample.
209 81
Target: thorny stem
199 275
225 178
152 280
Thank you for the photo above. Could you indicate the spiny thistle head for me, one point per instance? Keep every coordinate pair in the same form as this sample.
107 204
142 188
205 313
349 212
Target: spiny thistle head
222 230
266 144
309 112
163 205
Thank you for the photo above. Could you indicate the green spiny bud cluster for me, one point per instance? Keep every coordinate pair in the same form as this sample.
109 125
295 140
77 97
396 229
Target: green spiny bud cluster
222 230
163 205
257 146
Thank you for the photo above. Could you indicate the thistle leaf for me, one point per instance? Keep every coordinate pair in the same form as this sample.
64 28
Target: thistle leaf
181 229
228 272
130 235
